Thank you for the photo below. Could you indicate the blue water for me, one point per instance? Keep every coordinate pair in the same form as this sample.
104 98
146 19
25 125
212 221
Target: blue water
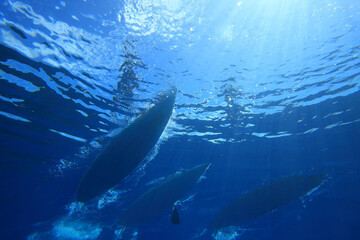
266 89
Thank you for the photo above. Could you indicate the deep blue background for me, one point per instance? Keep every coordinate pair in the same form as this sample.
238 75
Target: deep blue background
266 89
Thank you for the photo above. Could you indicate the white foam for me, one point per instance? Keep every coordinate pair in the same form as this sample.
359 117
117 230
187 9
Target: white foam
228 233
65 229
109 197
76 208
69 229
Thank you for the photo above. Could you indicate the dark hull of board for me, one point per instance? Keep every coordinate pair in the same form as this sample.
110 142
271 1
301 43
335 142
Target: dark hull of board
264 200
162 197
126 150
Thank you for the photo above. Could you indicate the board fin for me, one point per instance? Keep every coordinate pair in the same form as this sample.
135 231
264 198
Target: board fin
175 218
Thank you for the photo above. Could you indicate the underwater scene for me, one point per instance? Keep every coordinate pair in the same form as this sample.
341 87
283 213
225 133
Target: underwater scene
179 119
